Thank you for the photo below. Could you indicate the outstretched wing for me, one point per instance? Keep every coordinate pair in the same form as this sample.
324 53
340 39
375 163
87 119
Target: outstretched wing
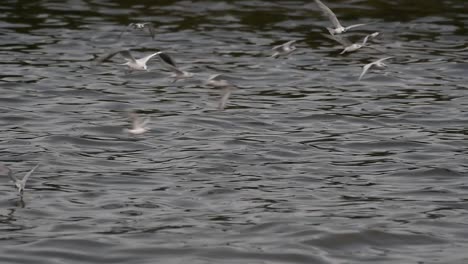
327 12
144 122
356 25
26 177
150 28
125 53
170 63
284 45
365 69
224 97
167 59
144 60
373 35
380 60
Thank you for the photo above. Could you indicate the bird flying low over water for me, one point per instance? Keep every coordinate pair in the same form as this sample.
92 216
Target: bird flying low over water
226 88
347 45
19 184
140 64
140 26
132 63
284 49
338 28
138 124
377 64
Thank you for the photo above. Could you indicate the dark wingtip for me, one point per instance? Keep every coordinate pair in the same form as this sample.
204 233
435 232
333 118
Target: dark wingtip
167 59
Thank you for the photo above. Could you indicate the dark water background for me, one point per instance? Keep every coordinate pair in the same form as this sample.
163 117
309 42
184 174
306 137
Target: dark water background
306 164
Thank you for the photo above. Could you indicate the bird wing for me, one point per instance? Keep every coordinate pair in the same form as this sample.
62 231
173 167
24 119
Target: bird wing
144 60
365 69
25 178
364 41
213 76
144 122
167 59
327 12
224 97
125 53
150 28
380 60
285 45
135 120
170 63
289 43
356 25
373 35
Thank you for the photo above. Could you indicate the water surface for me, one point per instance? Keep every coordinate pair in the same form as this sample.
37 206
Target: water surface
306 164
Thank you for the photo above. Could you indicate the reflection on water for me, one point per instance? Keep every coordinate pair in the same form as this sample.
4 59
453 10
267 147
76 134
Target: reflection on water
305 165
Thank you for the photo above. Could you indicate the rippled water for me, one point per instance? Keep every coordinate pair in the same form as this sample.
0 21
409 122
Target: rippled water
306 164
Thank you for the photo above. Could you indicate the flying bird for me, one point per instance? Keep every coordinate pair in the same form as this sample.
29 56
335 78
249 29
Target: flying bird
140 26
19 184
138 124
338 28
347 45
377 64
132 63
284 49
226 88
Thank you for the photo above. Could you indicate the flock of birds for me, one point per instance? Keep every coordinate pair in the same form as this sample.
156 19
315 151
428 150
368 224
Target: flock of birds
140 125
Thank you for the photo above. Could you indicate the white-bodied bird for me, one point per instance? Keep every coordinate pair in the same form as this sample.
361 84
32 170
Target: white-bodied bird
132 63
138 124
377 64
140 26
347 45
19 184
226 87
284 49
338 28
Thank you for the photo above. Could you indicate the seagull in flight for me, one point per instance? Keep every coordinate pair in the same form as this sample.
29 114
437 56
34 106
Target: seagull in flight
377 64
138 124
338 28
226 87
132 63
348 46
140 26
284 49
20 184
169 63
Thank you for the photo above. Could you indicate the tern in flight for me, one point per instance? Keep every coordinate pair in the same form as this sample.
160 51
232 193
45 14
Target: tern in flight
140 26
377 64
284 49
138 124
20 184
132 63
348 46
225 86
338 28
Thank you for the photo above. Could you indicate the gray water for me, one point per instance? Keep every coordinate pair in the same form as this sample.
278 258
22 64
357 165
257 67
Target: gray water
305 165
